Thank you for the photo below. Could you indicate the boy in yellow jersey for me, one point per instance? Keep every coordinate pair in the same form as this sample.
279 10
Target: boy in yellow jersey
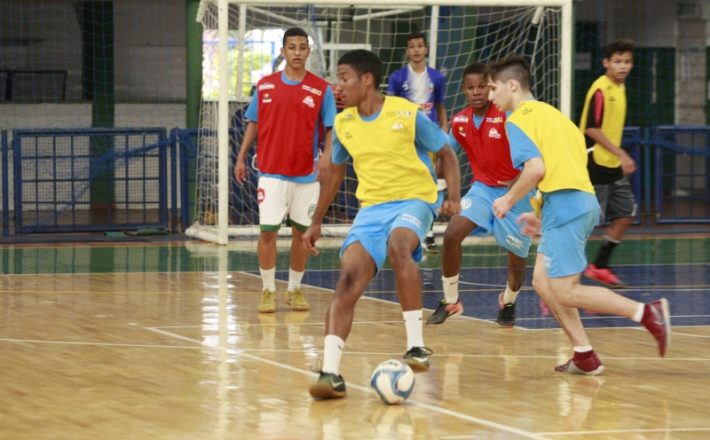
388 139
609 165
551 152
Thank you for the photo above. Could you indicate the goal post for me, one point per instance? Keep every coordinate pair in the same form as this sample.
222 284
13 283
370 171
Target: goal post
246 33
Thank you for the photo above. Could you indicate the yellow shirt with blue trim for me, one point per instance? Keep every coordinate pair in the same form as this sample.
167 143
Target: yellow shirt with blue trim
559 142
613 118
389 152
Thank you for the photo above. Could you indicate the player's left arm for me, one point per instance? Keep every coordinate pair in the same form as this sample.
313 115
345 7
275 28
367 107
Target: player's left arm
524 153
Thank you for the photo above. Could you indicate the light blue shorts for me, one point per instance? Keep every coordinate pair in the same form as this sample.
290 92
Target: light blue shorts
477 206
563 246
374 224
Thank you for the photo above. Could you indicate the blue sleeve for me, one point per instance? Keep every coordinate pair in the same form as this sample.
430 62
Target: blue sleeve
252 113
390 86
440 88
522 148
327 108
428 135
339 154
453 142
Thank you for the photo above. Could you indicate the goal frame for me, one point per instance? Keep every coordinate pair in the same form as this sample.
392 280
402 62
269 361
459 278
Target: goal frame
220 234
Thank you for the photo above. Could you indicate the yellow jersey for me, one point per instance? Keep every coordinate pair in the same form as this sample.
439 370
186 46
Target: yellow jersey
612 119
560 144
385 157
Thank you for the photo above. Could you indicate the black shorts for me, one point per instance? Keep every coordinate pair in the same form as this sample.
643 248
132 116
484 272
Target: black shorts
616 199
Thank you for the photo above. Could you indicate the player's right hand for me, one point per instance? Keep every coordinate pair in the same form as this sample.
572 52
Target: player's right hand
240 171
310 237
628 166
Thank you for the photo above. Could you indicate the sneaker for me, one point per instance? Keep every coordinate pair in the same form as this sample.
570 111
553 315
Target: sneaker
444 311
431 246
657 320
506 313
296 300
418 359
268 302
589 365
328 386
604 276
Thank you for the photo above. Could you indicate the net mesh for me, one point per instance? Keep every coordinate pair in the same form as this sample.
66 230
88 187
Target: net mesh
459 36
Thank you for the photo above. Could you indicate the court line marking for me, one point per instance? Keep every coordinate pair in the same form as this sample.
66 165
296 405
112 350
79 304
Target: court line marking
354 353
619 431
101 344
434 408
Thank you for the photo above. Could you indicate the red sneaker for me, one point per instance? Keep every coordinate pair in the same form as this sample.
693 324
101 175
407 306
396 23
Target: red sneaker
657 320
604 276
587 363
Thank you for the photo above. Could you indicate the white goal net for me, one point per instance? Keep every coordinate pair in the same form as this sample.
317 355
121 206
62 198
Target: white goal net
248 36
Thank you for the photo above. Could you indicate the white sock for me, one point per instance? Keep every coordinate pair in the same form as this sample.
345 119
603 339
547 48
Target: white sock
413 326
294 280
451 288
332 351
268 277
583 349
638 315
509 296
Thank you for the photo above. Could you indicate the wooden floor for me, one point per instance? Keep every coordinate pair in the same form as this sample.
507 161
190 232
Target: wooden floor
184 355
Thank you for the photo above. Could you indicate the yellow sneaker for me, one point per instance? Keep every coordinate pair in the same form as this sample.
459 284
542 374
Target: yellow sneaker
296 300
268 302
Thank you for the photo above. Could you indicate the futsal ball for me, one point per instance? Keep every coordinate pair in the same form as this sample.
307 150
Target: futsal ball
393 381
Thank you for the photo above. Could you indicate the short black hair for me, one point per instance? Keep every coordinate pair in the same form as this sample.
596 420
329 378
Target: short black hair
475 69
513 67
294 32
363 61
618 46
416 35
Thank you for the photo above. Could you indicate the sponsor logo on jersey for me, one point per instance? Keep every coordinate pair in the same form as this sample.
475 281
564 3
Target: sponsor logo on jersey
266 86
462 119
308 100
461 130
400 113
312 90
493 133
398 126
266 98
496 120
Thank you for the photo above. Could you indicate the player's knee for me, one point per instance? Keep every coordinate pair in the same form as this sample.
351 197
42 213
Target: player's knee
349 288
399 253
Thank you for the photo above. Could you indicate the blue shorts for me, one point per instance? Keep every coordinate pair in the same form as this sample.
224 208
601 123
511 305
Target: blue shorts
477 206
374 224
563 246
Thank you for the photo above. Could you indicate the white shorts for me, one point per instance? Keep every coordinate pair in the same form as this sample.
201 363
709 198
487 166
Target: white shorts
278 198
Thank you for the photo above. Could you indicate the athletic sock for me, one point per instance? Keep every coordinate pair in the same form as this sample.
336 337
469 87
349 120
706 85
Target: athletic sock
451 288
294 279
510 295
332 352
604 254
268 278
413 326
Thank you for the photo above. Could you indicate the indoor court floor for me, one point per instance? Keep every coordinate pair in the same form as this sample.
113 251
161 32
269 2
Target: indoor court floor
163 341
